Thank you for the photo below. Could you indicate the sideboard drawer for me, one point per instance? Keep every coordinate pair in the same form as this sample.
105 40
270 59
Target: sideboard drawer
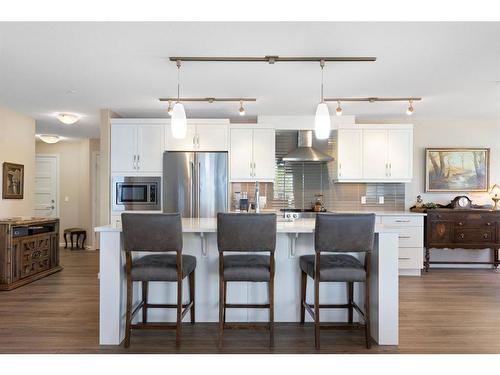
411 237
403 221
473 235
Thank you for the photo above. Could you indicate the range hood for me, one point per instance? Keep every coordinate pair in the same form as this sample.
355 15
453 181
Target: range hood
305 152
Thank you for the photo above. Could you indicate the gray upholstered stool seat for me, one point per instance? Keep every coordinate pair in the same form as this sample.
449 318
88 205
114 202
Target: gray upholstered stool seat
161 267
247 267
336 267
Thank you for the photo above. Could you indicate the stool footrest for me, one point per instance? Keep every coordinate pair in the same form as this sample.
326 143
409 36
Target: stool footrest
165 326
247 306
263 326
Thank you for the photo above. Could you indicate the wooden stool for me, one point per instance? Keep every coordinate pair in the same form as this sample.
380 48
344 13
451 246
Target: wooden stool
75 232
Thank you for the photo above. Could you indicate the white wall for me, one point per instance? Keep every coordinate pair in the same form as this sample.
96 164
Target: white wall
17 145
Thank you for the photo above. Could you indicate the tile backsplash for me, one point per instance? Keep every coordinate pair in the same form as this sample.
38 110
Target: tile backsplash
297 184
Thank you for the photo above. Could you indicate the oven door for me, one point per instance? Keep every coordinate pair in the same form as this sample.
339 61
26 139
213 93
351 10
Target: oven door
136 193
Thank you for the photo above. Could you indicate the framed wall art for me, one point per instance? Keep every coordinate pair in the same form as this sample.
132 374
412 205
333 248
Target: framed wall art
13 181
457 169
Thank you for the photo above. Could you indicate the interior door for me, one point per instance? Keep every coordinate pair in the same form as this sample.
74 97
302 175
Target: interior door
241 154
123 148
211 197
400 143
150 147
178 183
46 185
264 156
349 154
375 154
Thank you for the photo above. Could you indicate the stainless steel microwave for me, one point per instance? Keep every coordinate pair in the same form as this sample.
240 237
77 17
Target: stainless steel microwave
135 193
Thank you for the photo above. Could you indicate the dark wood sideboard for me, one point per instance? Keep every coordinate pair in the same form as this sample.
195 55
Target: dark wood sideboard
447 228
29 250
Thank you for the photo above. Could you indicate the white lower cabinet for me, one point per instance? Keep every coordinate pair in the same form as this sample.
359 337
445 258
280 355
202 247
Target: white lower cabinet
410 230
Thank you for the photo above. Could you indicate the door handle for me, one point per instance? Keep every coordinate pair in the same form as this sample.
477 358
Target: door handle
191 191
199 191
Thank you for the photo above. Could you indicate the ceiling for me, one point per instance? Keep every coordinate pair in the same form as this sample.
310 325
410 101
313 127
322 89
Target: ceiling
82 67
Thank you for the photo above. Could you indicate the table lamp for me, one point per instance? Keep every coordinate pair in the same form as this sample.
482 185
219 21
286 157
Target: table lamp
494 193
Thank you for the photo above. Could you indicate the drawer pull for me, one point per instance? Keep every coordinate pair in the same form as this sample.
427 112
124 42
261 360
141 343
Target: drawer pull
462 235
460 223
404 258
485 235
404 237
402 221
488 224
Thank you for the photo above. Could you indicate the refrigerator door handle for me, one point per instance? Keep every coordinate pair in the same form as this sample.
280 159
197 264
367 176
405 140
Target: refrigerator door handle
199 190
191 190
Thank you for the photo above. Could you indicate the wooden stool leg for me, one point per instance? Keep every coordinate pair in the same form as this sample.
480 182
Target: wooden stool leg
303 291
83 242
494 252
271 311
224 301
65 241
145 301
221 307
128 316
317 263
350 300
191 295
71 237
179 312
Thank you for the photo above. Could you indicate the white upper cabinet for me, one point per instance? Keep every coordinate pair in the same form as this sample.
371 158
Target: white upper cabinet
206 135
400 154
375 163
137 148
150 147
252 154
123 148
375 153
349 154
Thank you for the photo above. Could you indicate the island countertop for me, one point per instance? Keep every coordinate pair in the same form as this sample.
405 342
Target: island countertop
209 225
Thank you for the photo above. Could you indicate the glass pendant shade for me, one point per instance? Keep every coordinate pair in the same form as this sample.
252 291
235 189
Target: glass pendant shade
322 121
179 122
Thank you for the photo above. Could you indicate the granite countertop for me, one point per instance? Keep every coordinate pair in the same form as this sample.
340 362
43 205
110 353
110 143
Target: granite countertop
26 220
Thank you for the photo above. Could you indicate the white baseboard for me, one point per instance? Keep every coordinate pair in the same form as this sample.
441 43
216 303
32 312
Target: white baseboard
409 272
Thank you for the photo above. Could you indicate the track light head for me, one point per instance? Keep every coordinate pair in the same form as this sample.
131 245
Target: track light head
241 111
409 110
338 111
170 110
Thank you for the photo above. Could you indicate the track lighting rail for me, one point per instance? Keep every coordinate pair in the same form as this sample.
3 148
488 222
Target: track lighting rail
209 100
373 99
273 59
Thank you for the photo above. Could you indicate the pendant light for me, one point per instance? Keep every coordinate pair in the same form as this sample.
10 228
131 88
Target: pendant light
179 122
322 123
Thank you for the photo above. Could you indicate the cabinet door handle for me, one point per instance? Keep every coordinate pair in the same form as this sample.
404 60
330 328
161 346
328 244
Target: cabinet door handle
488 224
460 223
138 165
135 160
485 235
462 235
194 141
254 168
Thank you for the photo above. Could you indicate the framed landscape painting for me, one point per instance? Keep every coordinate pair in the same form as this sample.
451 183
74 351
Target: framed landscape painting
457 169
13 181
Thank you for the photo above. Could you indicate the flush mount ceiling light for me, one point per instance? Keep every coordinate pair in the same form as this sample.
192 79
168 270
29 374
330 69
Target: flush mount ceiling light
213 100
372 99
67 118
49 138
179 121
322 123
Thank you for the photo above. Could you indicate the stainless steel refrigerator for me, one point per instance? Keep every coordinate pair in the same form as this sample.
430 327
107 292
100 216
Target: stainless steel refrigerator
195 183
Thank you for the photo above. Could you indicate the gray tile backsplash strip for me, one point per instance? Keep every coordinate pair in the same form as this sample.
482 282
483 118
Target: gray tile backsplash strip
297 183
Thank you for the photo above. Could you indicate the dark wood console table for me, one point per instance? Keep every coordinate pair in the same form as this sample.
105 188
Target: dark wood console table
447 228
29 250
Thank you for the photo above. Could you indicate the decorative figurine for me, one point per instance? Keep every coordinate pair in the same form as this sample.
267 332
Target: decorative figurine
420 202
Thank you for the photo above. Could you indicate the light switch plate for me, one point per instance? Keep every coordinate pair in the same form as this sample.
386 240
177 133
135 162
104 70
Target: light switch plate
363 199
381 199
66 199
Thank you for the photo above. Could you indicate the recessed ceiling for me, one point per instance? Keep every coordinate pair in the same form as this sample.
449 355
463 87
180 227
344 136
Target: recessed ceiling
47 68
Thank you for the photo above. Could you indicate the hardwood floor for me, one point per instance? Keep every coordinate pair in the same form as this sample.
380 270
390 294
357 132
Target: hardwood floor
445 311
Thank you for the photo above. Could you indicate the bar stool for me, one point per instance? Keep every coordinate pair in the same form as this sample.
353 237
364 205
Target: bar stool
253 233
157 233
339 233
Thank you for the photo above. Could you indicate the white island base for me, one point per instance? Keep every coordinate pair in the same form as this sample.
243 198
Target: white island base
293 239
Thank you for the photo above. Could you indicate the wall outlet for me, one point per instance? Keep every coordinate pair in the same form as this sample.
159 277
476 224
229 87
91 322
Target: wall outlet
381 200
363 199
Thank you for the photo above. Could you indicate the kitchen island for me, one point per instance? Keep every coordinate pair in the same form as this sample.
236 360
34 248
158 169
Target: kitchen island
293 239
